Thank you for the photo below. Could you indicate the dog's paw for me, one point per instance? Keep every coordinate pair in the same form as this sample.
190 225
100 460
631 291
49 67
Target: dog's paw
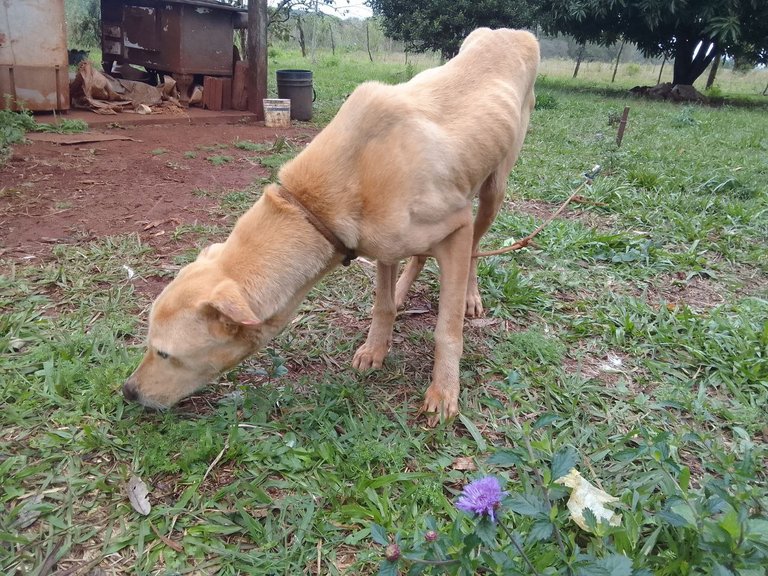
369 356
440 404
400 300
474 307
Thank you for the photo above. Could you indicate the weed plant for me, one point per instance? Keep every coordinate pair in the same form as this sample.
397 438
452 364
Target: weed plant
630 343
14 125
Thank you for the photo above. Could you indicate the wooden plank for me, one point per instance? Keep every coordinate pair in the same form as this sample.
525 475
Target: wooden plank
240 86
212 93
70 139
226 93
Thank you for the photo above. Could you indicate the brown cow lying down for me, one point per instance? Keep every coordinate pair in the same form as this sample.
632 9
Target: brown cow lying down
392 176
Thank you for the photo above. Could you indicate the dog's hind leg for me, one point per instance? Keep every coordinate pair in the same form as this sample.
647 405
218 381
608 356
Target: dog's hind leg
371 354
410 273
490 199
453 256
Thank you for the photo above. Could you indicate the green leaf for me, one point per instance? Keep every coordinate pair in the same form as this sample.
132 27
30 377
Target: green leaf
540 530
720 570
730 523
563 461
482 446
684 479
486 531
387 568
617 565
650 542
526 505
674 519
757 530
379 534
613 565
505 458
417 568
545 420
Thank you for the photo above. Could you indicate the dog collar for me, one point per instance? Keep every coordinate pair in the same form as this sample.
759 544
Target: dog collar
349 253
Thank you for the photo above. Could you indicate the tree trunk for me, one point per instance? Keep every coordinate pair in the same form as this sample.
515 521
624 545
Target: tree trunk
368 39
765 91
618 58
302 40
687 67
713 72
257 56
315 20
664 61
578 60
333 44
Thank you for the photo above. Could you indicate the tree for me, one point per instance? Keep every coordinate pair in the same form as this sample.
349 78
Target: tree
441 25
83 23
691 33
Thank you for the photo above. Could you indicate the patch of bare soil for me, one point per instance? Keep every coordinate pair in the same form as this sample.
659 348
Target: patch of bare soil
543 210
697 292
612 368
674 290
149 185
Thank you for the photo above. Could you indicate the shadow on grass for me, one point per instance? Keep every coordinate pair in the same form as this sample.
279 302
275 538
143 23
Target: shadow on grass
755 101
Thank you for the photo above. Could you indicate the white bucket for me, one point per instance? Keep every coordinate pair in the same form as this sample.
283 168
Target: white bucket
277 112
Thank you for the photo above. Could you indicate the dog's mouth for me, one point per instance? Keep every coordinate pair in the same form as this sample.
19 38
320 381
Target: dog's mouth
132 394
153 406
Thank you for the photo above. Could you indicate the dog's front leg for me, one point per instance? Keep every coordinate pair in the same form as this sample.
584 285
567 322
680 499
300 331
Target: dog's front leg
453 256
371 354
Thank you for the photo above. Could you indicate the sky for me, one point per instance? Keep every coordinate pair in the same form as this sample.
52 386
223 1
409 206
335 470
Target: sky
343 8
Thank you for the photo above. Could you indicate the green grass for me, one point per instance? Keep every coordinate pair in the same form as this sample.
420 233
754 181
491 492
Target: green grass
14 125
219 159
634 336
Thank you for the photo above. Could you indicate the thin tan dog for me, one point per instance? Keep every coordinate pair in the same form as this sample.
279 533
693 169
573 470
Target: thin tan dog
392 176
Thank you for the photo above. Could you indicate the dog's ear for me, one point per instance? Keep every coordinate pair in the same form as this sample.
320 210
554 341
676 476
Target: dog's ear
230 301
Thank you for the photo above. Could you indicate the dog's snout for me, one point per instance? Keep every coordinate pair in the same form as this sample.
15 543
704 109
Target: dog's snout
130 391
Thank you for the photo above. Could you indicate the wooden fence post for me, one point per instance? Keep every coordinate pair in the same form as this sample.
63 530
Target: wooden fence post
622 126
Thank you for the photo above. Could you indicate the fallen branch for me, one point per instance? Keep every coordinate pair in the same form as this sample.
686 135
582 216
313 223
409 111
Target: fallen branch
527 240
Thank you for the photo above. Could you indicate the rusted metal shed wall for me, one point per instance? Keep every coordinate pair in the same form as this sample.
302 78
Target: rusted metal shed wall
33 55
176 36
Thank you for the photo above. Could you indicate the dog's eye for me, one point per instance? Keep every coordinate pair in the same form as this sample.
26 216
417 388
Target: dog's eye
163 355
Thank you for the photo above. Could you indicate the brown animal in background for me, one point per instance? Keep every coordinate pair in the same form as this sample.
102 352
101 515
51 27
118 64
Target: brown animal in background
392 176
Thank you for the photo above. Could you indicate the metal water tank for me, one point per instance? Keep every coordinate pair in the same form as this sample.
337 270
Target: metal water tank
33 55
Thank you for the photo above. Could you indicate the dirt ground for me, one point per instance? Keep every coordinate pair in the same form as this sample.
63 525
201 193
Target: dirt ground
149 184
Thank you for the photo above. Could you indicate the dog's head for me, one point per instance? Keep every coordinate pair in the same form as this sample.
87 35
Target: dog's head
199 326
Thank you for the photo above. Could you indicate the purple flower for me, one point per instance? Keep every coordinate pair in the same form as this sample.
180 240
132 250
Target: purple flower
480 497
392 553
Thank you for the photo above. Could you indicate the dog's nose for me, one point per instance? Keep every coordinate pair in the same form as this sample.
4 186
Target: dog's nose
130 391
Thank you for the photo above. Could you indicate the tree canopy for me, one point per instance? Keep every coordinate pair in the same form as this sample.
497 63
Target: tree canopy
692 32
441 25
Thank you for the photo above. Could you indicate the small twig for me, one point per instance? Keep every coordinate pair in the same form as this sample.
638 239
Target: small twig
87 567
581 200
167 541
319 555
50 559
447 562
525 241
215 461
520 550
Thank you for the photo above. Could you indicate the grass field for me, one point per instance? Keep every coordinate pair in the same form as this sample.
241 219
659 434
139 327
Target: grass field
631 341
